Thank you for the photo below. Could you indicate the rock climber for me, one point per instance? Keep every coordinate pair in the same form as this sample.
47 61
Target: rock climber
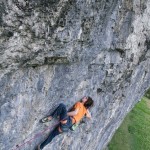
67 119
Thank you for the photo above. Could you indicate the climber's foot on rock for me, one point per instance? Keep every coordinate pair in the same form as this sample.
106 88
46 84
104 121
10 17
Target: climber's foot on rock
46 119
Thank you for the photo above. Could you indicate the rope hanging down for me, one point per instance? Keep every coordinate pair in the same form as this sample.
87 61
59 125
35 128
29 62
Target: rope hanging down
35 136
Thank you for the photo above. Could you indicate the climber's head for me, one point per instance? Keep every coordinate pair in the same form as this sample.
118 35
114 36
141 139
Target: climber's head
87 101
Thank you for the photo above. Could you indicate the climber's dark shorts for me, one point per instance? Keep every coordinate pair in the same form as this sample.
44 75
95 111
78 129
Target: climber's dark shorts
65 127
61 111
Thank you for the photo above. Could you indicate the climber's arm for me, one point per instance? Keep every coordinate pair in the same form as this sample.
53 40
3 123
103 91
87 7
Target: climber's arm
73 113
88 114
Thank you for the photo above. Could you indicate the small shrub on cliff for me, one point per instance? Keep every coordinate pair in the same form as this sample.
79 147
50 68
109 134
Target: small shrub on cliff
148 93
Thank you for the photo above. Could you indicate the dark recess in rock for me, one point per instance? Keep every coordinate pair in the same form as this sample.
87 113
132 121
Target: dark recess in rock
113 92
121 51
139 44
61 22
33 65
145 73
142 57
99 90
132 56
2 11
56 60
111 65
106 73
123 95
147 43
7 33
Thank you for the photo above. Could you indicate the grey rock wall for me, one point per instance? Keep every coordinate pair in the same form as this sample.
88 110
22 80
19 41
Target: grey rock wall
54 51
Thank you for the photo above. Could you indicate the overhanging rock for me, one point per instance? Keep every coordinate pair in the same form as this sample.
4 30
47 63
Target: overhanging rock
59 51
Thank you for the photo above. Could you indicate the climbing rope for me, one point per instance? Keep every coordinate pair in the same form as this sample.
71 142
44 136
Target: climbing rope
18 146
35 136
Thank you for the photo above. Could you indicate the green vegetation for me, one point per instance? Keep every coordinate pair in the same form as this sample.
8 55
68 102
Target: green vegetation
134 133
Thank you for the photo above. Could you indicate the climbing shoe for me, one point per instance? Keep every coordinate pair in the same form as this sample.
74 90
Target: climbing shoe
45 120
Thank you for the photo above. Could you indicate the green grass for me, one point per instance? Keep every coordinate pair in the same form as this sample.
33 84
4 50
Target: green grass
134 133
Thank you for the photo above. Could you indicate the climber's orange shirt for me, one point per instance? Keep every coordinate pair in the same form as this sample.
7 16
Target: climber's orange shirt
82 111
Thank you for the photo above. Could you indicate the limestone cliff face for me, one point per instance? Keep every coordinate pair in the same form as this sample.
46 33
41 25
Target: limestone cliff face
54 51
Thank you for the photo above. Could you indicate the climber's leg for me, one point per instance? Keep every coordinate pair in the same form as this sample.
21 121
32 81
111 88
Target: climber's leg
54 133
60 112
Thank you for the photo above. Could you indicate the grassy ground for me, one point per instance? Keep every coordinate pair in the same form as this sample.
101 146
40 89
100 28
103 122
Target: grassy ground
134 133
